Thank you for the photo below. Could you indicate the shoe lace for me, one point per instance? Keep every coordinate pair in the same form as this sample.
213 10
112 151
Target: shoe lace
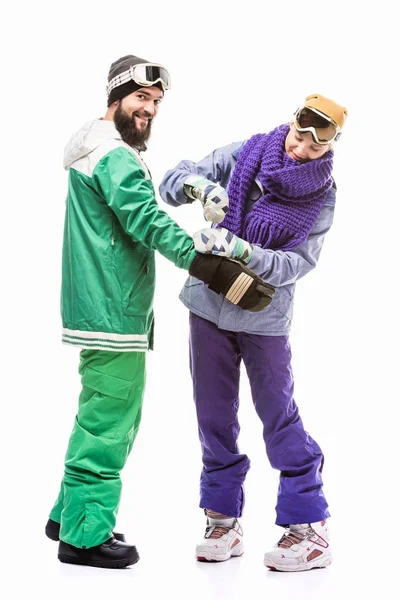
217 531
290 538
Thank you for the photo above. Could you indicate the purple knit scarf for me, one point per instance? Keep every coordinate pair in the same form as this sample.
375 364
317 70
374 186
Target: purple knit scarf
284 217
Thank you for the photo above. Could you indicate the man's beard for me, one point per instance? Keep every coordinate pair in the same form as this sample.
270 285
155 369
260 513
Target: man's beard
129 132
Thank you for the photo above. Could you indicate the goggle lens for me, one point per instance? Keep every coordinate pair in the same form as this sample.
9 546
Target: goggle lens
147 75
322 129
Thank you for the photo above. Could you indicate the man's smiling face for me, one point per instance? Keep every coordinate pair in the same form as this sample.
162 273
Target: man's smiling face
135 113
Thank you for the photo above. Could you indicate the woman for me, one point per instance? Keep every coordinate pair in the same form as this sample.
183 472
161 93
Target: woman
275 214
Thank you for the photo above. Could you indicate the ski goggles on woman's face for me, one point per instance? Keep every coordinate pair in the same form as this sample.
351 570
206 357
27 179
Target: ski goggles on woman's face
145 75
323 129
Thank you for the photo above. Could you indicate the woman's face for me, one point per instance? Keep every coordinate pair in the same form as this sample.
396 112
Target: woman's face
301 146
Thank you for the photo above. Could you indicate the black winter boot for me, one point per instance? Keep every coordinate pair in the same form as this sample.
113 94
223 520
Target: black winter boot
110 555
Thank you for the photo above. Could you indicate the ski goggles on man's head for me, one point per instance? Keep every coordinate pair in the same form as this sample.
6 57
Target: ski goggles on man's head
323 129
144 74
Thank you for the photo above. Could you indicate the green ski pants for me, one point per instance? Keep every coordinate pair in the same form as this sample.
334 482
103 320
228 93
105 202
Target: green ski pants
109 413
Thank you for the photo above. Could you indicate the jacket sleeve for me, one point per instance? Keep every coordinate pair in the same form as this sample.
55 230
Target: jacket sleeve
121 181
216 167
281 268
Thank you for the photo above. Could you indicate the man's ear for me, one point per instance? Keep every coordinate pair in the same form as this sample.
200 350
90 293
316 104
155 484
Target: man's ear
111 110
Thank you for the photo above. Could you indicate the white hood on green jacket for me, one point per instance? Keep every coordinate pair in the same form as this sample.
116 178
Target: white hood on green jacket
88 138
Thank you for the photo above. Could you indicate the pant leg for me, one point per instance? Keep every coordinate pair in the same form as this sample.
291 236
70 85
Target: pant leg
55 513
109 414
215 369
290 449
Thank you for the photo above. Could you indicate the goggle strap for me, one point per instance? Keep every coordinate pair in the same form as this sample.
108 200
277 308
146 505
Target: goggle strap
120 79
126 76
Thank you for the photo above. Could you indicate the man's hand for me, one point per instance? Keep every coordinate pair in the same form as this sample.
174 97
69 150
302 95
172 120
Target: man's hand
232 279
222 242
213 197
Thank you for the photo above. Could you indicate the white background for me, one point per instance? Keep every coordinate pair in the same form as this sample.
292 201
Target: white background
237 69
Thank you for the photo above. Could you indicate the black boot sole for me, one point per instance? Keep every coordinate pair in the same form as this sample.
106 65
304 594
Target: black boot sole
106 564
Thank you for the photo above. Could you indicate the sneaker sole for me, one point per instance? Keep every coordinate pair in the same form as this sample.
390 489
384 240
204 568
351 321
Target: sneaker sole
325 562
208 557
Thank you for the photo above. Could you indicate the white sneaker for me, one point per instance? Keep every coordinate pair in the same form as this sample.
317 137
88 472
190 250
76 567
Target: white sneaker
222 540
302 547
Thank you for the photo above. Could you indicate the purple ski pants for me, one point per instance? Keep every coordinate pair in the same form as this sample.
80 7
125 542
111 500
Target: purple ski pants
215 358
